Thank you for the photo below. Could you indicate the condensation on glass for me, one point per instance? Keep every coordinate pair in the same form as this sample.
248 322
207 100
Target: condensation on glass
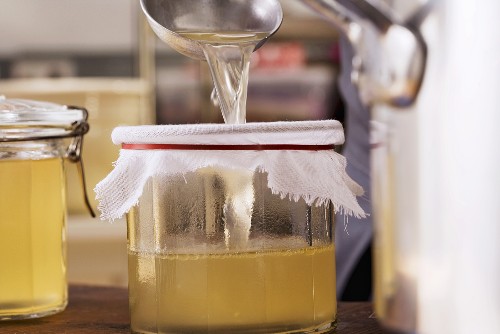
215 251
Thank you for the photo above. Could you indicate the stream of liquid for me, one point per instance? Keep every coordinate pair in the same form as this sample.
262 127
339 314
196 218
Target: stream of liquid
228 56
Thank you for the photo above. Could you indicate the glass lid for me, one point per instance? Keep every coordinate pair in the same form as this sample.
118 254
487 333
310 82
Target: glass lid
30 120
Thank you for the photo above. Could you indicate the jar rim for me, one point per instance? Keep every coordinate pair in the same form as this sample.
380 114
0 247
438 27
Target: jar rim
284 133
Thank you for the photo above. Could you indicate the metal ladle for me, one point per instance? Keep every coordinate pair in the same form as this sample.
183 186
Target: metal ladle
168 17
390 53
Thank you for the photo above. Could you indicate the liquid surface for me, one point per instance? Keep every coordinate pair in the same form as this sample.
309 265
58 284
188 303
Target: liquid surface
228 56
260 292
32 216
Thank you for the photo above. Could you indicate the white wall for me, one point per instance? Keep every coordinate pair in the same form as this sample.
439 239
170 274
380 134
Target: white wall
84 26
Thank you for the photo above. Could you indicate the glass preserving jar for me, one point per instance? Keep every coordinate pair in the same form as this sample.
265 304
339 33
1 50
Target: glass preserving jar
215 251
230 227
35 140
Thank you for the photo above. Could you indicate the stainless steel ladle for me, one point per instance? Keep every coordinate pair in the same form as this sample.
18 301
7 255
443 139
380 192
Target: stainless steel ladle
390 53
167 17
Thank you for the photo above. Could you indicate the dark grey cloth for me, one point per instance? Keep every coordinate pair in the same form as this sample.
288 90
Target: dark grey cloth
352 235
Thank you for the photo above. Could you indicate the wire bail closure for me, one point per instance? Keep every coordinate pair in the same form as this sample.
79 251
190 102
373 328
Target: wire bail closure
74 153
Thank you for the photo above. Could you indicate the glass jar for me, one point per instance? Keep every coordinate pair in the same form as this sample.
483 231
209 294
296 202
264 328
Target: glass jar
230 227
35 139
215 251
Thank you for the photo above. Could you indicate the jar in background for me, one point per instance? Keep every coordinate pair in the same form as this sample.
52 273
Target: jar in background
35 140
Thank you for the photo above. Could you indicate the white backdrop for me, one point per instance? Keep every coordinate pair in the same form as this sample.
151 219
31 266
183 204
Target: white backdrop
82 26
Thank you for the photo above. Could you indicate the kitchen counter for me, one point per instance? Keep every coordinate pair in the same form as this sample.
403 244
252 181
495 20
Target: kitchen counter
100 310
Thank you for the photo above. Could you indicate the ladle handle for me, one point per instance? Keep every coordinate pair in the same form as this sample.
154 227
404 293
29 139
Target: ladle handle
333 12
345 13
365 10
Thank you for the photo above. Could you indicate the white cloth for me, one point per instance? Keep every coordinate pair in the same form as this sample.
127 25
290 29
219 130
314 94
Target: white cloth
315 176
304 133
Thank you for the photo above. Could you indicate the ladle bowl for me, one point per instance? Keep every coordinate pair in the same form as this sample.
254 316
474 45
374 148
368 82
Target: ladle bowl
169 17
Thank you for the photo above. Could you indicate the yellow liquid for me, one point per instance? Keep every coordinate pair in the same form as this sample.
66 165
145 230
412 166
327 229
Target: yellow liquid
260 292
32 253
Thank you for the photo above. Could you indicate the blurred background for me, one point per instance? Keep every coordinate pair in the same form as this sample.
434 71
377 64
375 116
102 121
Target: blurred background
101 55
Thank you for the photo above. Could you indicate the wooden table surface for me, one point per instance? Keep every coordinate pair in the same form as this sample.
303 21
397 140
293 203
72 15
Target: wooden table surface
100 310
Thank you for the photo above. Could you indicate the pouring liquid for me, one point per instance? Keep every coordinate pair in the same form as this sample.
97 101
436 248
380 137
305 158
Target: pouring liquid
228 56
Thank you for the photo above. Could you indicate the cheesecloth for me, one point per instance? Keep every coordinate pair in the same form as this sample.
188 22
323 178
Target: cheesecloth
297 156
